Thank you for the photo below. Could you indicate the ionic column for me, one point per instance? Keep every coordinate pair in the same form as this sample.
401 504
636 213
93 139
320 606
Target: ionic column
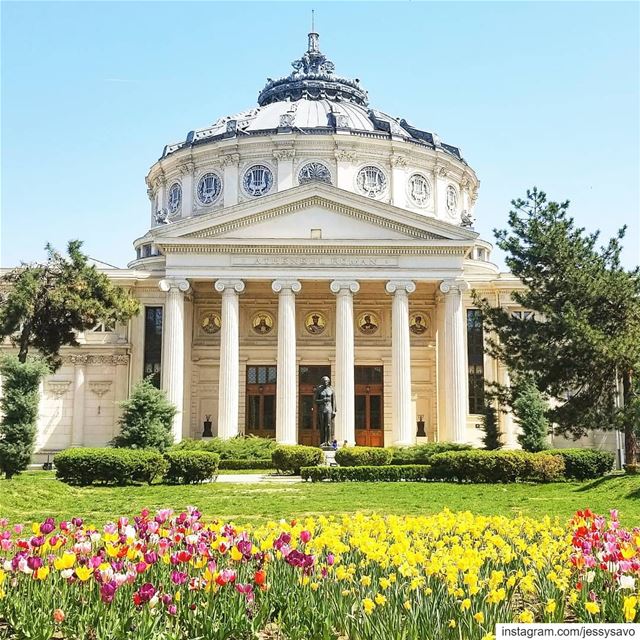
229 376
403 426
455 364
231 179
286 388
173 347
398 181
344 381
77 421
284 158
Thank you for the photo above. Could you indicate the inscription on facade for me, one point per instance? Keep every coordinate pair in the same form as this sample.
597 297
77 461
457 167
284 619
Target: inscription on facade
314 261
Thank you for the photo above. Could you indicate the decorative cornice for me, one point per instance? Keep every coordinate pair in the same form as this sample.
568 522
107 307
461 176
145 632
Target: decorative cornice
282 285
94 358
167 284
251 249
358 214
58 388
400 286
229 286
338 286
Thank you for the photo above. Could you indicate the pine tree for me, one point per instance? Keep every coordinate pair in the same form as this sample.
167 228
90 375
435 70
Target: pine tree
584 336
19 406
146 419
530 409
492 438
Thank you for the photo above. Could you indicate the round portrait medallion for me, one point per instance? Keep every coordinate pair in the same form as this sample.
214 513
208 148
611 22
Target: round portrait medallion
315 323
210 322
368 323
418 323
262 323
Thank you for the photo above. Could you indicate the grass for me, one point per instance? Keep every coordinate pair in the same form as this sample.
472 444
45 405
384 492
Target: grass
36 495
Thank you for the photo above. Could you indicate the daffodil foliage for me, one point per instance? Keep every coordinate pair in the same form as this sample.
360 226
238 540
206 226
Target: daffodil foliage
180 576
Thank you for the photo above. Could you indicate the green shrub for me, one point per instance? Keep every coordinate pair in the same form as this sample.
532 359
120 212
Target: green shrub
238 448
19 408
190 467
83 466
422 453
239 465
529 409
146 420
396 473
492 438
585 464
293 457
496 466
363 456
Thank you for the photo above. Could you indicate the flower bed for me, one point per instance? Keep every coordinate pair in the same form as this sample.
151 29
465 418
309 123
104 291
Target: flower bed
173 577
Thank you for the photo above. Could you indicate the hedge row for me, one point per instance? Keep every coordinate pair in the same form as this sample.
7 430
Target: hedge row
84 466
246 464
584 464
396 473
291 458
238 448
496 466
363 456
422 453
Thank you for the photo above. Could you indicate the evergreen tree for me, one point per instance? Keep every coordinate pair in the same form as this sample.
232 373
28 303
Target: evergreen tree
19 406
584 336
146 419
45 305
492 438
530 409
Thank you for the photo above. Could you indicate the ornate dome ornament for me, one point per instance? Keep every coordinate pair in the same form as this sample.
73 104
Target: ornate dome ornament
371 181
314 78
314 172
419 190
175 197
452 200
257 180
209 188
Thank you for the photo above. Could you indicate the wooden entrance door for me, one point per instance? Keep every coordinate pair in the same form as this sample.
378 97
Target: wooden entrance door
369 406
261 401
308 379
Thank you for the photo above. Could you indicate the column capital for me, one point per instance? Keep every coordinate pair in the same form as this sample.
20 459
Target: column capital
400 286
278 285
454 286
346 286
180 284
231 286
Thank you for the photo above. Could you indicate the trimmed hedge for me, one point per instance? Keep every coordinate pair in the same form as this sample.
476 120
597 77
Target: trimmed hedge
294 457
245 464
496 466
363 456
422 453
191 467
388 473
84 466
238 448
584 464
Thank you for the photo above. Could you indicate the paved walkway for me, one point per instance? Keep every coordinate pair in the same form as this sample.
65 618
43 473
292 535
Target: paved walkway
255 478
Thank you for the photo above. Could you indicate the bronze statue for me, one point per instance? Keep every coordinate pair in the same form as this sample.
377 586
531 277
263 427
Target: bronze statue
325 399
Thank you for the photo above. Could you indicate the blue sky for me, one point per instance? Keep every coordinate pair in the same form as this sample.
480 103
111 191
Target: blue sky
540 93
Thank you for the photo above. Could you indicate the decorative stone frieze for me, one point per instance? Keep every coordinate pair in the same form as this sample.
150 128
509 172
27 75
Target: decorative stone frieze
58 388
96 359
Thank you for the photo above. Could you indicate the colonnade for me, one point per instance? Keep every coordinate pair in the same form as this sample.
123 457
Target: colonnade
454 376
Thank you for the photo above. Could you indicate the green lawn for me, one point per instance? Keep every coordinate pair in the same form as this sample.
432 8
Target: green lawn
35 495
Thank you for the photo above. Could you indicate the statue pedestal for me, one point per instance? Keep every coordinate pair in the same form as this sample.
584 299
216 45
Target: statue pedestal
330 458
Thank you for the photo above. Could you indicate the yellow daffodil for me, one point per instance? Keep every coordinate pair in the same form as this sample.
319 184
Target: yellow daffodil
380 599
368 605
592 607
628 607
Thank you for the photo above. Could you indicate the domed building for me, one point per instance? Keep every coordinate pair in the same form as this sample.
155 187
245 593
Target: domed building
311 235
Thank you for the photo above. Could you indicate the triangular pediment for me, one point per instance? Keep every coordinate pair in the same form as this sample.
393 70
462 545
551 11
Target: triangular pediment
308 211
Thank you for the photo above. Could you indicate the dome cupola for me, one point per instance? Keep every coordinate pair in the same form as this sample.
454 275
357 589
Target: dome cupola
313 78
